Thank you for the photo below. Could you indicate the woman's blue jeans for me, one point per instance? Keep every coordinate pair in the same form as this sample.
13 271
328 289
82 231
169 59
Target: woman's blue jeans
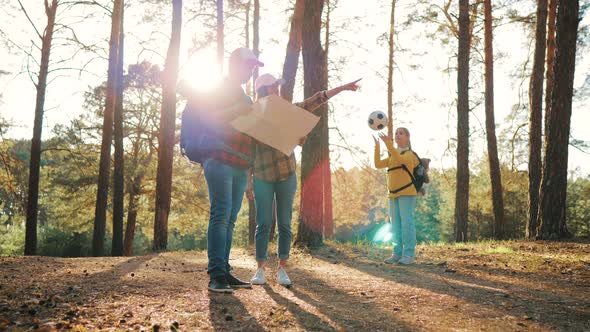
226 191
265 192
401 214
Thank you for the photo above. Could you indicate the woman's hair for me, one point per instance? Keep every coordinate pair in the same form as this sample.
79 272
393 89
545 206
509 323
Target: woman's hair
262 92
407 132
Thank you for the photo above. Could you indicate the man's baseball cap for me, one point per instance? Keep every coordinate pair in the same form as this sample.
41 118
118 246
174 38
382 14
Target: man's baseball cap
245 55
267 80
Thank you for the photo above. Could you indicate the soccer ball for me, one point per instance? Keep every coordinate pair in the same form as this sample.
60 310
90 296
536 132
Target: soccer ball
377 120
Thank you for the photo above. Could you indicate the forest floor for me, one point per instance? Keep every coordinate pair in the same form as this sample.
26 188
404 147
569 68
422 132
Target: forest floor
506 286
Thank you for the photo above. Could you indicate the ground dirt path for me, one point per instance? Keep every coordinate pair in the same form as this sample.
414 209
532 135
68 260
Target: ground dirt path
511 286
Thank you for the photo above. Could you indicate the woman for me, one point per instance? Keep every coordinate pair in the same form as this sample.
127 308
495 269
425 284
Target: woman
402 194
274 175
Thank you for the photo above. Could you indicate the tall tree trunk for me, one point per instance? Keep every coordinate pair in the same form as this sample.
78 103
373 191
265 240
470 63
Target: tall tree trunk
35 162
312 161
256 35
119 169
107 134
495 174
550 76
220 35
327 220
131 215
390 71
552 222
167 127
536 119
293 49
462 190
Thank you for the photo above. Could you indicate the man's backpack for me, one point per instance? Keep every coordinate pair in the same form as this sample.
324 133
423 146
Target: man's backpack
419 174
197 139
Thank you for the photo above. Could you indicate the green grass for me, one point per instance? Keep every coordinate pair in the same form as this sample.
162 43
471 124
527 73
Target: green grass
497 250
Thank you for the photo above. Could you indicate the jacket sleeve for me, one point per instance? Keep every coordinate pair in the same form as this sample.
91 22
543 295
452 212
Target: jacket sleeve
380 163
312 103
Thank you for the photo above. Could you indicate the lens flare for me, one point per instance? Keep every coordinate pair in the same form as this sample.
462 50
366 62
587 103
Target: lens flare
383 234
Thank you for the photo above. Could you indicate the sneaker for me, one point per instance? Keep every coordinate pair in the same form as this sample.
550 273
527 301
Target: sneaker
393 259
237 283
259 278
283 278
406 260
219 285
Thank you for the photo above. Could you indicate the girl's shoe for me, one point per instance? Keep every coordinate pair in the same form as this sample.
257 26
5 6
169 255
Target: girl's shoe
393 259
283 278
259 278
407 260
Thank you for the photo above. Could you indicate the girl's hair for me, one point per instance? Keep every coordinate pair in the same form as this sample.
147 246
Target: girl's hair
407 132
262 92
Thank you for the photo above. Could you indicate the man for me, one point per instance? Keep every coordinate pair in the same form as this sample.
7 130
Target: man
226 168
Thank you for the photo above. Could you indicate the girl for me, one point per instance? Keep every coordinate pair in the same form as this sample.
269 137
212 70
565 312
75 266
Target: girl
274 175
402 194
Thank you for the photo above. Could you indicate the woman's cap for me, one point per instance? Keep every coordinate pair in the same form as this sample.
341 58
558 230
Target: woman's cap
267 80
245 55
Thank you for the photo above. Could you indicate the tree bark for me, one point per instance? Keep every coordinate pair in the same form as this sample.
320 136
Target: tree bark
293 50
536 119
549 76
35 162
390 71
312 160
167 127
256 35
107 135
327 220
132 216
495 174
119 167
220 35
552 222
462 190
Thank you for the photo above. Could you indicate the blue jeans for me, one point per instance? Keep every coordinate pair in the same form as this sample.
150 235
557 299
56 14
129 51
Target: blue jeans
226 191
285 193
401 214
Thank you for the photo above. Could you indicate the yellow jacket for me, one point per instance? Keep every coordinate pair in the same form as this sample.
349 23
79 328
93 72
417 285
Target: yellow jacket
397 177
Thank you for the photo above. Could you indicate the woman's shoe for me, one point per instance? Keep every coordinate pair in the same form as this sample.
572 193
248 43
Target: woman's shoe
406 260
393 259
283 278
259 278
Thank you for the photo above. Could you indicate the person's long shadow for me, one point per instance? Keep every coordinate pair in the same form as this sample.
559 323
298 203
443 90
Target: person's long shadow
556 308
341 310
227 313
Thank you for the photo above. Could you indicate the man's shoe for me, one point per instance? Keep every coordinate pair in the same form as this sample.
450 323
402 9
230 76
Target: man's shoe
406 260
237 283
219 285
393 259
259 278
283 278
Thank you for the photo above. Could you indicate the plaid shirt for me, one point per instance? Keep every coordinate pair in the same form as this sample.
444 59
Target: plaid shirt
272 165
236 142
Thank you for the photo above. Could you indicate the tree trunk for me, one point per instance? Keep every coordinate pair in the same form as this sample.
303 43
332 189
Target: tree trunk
536 119
552 222
495 174
390 71
167 127
293 50
119 169
35 162
550 76
107 135
131 216
256 35
462 190
312 160
220 35
327 220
